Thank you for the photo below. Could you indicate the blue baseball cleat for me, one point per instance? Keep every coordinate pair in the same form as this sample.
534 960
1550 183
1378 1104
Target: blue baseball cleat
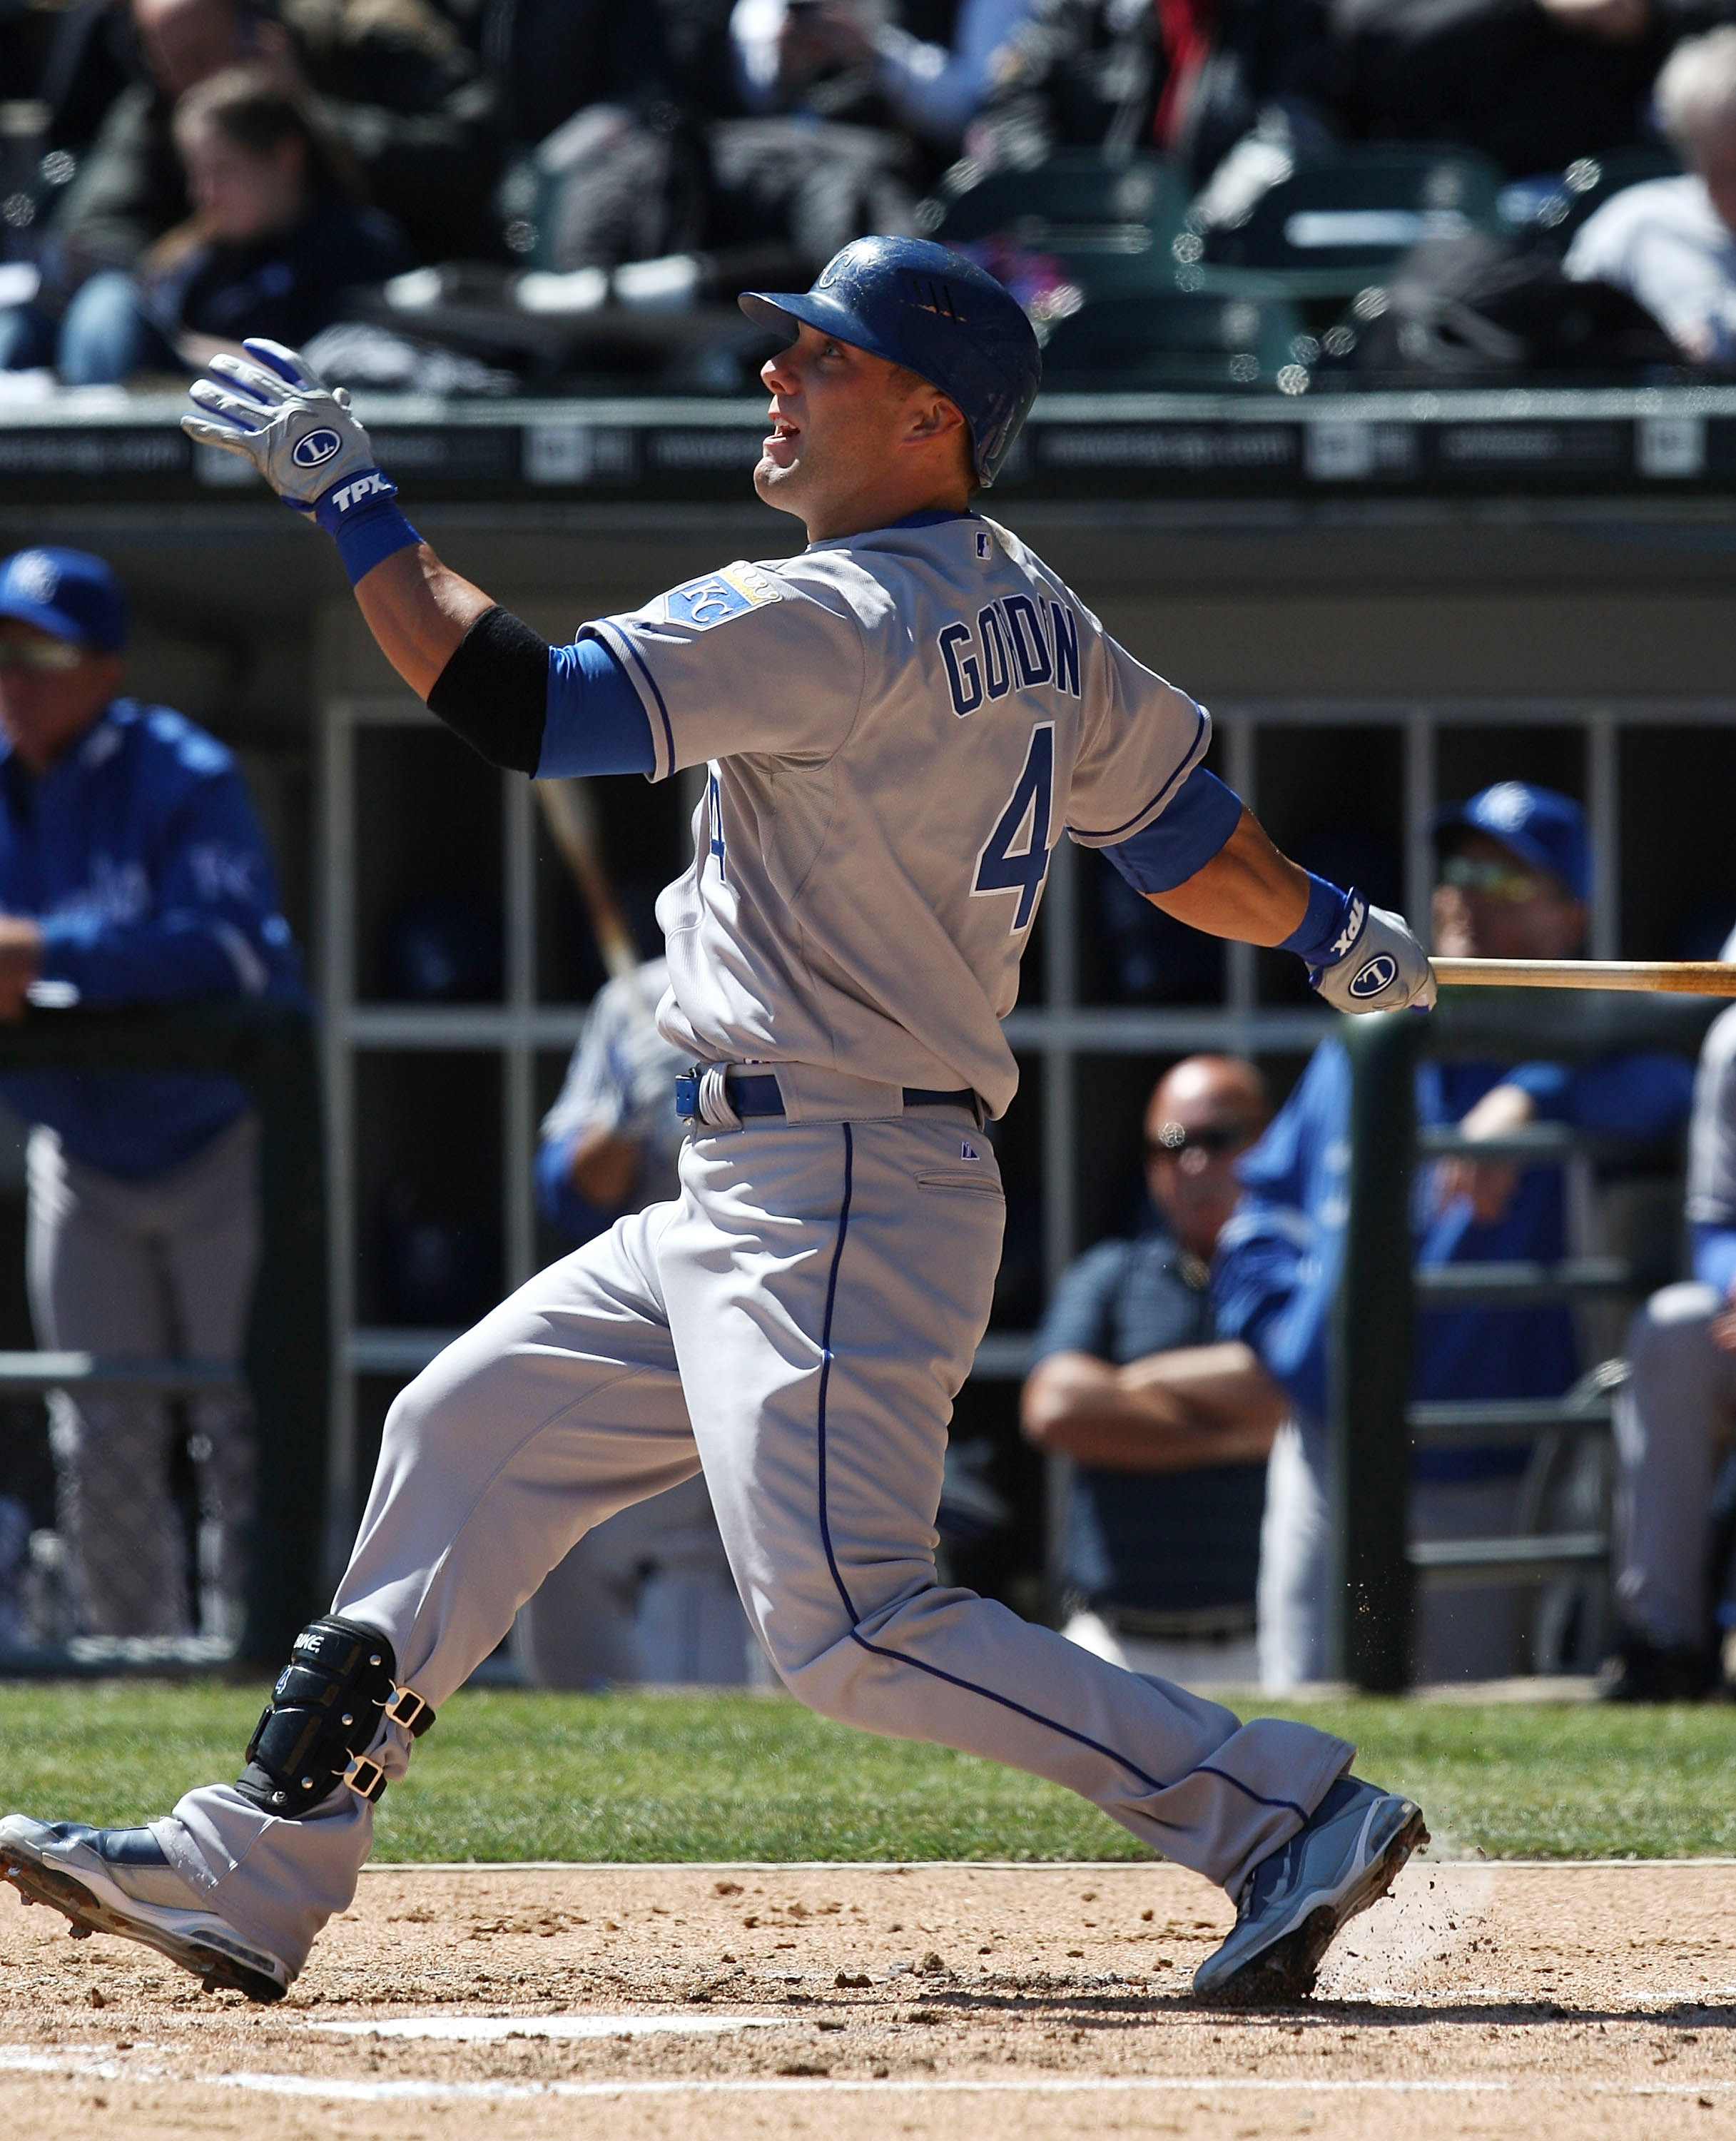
119 1881
1345 1857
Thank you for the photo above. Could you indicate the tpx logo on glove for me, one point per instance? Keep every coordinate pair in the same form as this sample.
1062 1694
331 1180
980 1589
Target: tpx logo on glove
1380 972
374 484
315 450
1352 929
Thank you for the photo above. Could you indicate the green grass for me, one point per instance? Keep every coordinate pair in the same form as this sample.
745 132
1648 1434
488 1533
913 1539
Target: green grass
722 1777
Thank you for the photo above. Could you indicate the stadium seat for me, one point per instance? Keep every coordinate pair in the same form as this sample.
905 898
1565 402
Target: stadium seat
1558 206
1179 342
1098 218
1333 226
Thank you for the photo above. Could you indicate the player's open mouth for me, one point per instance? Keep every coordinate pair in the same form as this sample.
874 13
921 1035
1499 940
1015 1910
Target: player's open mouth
780 443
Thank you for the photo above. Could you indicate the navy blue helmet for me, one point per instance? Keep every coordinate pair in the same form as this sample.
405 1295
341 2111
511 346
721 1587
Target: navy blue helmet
939 315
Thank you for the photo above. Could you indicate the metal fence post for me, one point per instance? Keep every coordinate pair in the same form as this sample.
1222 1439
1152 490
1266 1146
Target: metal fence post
1369 1383
288 1341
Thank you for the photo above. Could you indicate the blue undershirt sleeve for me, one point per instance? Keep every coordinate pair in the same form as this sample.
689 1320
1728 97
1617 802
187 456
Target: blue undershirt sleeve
1714 1257
595 722
1198 822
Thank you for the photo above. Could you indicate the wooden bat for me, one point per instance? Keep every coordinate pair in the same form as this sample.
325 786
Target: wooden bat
1694 977
571 815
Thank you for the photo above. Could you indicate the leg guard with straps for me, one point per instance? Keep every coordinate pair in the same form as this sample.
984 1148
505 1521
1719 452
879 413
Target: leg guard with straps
324 1711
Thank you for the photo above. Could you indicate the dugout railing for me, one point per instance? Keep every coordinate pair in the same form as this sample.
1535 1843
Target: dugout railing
1374 1425
270 1048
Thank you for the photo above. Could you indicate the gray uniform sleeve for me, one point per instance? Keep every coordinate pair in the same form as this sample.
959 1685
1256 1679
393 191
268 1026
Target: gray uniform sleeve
750 659
1142 738
1712 1137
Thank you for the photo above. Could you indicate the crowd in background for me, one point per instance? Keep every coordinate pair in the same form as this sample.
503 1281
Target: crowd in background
178 173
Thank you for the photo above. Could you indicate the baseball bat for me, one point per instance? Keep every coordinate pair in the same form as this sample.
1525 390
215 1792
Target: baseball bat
1695 977
571 815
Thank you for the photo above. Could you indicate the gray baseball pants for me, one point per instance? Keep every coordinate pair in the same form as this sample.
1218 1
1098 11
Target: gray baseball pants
159 1269
798 1322
1673 1424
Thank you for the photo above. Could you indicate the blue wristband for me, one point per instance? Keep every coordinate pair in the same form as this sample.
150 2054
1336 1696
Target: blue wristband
362 518
1318 936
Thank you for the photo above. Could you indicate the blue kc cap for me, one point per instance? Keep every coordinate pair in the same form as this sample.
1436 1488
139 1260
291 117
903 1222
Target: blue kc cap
68 593
1541 828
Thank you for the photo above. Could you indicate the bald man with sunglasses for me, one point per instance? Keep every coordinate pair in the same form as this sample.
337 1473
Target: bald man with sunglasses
1168 1431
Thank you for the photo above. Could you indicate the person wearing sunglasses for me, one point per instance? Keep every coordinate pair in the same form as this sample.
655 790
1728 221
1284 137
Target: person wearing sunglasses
1514 881
132 869
1167 1430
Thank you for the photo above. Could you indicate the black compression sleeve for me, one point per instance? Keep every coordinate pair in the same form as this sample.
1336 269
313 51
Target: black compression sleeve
494 691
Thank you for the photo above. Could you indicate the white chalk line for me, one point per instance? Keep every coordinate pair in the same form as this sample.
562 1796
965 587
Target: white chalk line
70 2066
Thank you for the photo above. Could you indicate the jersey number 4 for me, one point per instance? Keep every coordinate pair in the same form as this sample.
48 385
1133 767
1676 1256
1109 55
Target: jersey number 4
1014 857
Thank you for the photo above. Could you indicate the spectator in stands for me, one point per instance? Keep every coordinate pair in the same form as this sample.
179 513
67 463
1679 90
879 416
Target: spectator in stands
394 84
276 241
1671 242
131 870
1168 1432
1673 1419
932 85
1194 79
1532 86
647 1596
1515 874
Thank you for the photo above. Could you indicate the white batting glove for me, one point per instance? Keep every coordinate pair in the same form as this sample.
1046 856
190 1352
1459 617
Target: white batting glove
1377 964
279 414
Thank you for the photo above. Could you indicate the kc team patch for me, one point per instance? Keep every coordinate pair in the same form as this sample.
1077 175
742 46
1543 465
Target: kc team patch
719 597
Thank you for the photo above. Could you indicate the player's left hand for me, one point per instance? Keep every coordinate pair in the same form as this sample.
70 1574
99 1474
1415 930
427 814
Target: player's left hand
274 409
1380 968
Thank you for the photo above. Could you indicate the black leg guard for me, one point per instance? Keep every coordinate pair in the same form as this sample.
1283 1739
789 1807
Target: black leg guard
325 1711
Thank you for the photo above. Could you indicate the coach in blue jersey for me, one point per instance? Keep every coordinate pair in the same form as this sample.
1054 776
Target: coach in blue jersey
1515 875
131 869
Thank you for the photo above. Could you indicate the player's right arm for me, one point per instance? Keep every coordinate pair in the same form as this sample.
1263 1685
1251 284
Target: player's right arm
483 670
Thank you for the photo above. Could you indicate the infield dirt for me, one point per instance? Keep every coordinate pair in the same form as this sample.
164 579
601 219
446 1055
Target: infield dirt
972 2003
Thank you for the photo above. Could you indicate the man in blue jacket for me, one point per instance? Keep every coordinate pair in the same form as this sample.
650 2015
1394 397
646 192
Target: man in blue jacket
132 869
1515 874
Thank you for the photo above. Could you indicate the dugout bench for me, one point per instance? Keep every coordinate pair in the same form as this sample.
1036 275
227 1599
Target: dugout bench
269 1048
1372 1424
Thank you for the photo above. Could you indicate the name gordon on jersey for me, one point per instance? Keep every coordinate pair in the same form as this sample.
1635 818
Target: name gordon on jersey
1018 641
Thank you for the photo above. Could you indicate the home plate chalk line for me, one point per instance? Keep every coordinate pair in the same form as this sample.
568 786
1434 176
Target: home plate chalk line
495 2029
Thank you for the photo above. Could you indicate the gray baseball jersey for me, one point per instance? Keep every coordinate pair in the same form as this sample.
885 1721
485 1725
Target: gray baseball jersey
899 725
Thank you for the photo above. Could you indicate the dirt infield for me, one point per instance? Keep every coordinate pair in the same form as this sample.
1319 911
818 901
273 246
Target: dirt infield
971 2003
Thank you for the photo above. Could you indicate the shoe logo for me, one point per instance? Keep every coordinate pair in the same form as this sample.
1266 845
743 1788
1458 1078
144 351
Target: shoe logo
1380 972
315 450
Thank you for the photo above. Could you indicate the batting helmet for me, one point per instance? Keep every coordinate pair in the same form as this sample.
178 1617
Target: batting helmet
939 315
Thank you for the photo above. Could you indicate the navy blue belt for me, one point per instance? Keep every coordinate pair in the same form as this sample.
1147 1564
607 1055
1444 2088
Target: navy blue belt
760 1095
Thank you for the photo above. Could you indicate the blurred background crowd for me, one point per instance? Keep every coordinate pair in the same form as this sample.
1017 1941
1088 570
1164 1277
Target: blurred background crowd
495 195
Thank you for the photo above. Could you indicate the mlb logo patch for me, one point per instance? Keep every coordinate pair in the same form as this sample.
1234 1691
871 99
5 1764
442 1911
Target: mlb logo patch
968 1152
718 597
985 542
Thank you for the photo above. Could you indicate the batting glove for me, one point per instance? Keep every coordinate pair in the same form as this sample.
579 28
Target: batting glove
1375 963
280 415
301 435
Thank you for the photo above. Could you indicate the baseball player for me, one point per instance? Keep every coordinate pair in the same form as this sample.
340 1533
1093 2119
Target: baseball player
898 724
